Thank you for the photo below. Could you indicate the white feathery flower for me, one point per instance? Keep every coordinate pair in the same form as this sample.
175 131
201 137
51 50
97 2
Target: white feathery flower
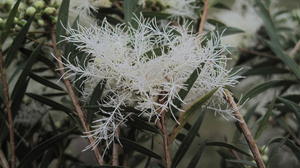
82 7
176 8
30 113
181 8
145 67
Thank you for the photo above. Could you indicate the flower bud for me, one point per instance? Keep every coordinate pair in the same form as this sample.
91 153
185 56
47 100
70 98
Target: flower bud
41 22
22 6
30 11
39 4
16 20
22 22
54 19
49 10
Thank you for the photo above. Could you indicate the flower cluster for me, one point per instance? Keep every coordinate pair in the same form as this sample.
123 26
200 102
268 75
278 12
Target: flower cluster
141 65
176 8
30 113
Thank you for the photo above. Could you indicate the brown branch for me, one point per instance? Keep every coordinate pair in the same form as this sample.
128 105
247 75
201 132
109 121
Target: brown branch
203 17
73 97
3 160
162 126
7 103
116 149
245 130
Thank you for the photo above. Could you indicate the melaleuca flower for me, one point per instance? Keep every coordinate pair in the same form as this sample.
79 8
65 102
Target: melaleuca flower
30 113
181 8
143 64
176 8
82 7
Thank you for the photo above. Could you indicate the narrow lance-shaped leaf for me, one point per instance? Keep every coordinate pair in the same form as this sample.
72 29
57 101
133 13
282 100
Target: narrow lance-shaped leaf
243 162
292 106
183 92
274 44
193 163
262 123
95 97
187 141
130 7
51 103
21 84
265 86
9 22
62 20
132 145
45 82
294 148
190 111
18 42
229 146
39 149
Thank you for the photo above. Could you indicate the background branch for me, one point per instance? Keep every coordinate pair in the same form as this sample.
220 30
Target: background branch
7 103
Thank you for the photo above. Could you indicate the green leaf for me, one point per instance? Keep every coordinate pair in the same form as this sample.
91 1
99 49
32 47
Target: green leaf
269 70
47 159
284 141
40 148
263 122
229 146
265 86
292 106
17 42
130 9
51 103
183 92
95 97
9 22
243 162
274 43
62 20
132 145
226 31
187 141
21 84
140 124
193 163
190 111
45 82
220 5
216 23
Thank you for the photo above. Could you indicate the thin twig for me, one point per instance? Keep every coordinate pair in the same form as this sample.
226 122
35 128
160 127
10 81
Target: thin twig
73 97
243 126
3 160
203 17
116 149
7 103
